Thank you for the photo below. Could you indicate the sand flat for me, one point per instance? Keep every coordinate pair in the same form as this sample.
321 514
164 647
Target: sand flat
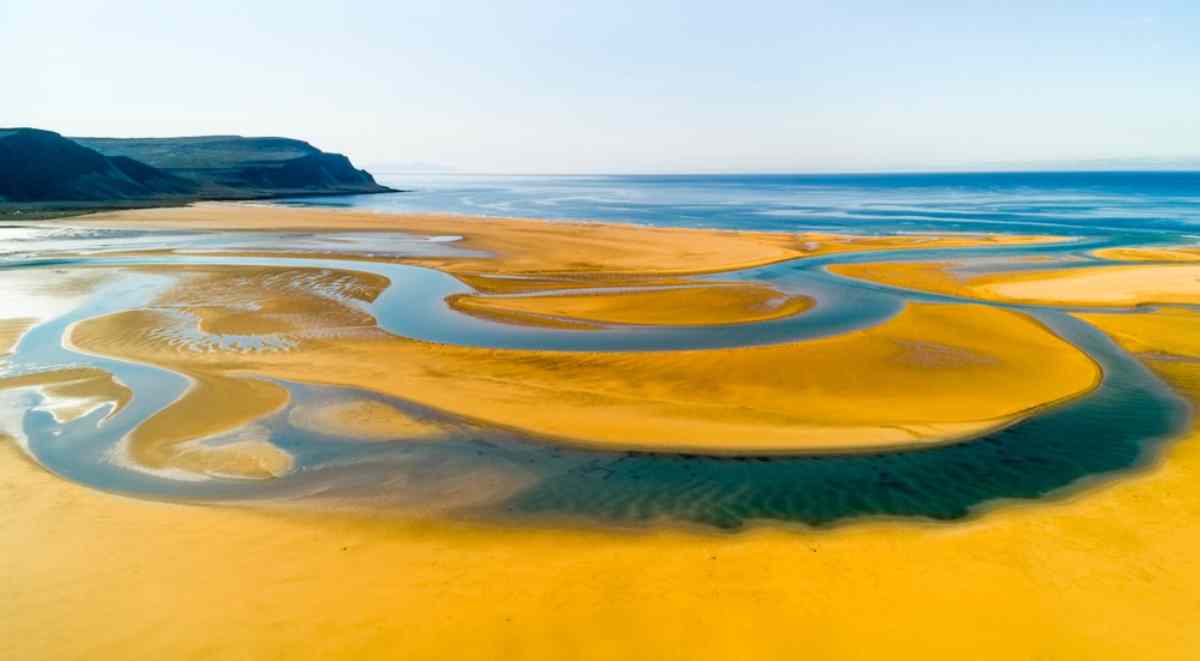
697 305
363 419
932 374
1099 286
31 296
11 331
540 247
72 393
1108 574
932 277
1151 254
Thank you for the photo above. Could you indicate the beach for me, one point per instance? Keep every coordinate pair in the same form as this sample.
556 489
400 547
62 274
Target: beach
1063 575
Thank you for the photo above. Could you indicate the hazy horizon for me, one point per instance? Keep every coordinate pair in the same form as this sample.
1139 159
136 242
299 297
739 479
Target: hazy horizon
602 88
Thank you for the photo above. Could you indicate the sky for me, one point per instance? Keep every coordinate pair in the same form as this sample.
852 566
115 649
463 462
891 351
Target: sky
565 87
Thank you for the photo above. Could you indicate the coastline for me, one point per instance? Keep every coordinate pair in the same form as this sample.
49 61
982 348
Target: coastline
1089 584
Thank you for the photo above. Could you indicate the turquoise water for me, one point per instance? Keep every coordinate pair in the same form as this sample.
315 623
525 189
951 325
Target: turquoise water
1117 428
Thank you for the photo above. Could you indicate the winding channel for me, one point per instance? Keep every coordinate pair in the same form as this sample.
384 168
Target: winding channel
1117 427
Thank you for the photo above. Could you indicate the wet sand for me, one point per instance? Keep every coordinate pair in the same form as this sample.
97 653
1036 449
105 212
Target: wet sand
1109 573
11 331
72 393
1099 286
933 277
520 246
29 297
363 419
214 404
932 374
696 305
1156 254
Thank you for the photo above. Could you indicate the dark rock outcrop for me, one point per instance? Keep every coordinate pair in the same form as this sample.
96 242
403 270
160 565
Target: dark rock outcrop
38 165
227 166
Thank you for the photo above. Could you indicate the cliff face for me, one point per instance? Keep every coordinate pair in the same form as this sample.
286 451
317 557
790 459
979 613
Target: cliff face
38 165
238 167
44 170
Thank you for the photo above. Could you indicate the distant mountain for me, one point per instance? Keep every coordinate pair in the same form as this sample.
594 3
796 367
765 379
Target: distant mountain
42 170
38 165
230 166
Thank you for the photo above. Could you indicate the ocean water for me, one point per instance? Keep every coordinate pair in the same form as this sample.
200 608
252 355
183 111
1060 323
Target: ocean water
1043 202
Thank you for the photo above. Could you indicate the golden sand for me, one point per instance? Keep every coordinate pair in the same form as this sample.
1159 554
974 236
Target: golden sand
214 404
530 256
932 277
1158 254
684 306
1100 286
519 284
270 300
74 392
248 455
1169 331
363 419
933 373
539 247
11 331
1110 573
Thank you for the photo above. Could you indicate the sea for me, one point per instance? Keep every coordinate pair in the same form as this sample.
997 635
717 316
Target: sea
1019 202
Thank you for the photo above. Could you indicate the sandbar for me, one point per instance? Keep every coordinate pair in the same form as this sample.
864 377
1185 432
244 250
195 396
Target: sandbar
1151 254
363 420
697 305
934 373
72 393
1097 286
523 246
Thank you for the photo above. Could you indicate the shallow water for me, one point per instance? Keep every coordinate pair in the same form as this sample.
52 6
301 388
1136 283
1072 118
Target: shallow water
1116 428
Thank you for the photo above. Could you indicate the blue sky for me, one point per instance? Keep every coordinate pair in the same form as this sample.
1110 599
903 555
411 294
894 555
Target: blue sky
624 87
